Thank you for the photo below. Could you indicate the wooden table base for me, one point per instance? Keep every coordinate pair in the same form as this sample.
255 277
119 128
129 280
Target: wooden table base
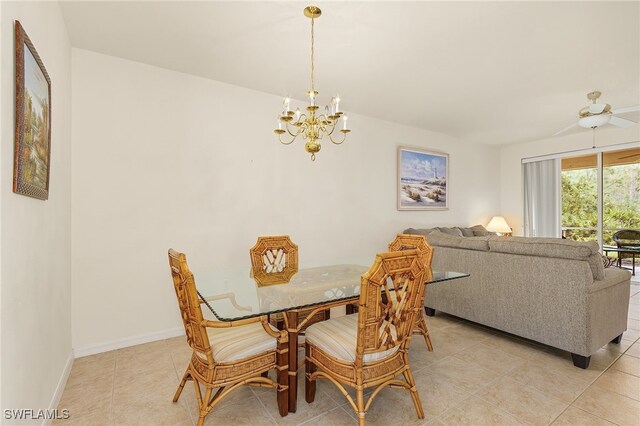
292 329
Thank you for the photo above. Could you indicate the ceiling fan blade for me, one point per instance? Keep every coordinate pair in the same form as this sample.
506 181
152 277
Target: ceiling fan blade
621 122
566 129
627 109
597 108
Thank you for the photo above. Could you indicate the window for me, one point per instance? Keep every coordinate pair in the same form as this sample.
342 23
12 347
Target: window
584 197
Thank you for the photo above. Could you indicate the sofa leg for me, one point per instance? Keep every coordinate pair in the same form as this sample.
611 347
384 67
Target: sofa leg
617 340
581 361
429 311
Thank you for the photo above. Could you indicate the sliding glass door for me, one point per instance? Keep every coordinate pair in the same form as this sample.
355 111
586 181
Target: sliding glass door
620 192
600 195
580 198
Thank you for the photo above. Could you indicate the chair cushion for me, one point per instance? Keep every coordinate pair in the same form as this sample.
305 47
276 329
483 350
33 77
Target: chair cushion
337 337
234 343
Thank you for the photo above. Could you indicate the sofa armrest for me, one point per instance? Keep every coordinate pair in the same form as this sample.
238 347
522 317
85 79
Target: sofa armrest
612 276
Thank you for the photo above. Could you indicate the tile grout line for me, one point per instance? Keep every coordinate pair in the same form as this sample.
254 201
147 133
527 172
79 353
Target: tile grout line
113 388
619 355
263 406
175 368
477 394
533 389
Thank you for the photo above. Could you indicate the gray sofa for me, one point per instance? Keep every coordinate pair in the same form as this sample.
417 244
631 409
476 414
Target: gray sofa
550 290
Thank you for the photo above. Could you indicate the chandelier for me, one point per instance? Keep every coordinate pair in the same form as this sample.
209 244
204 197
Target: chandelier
311 125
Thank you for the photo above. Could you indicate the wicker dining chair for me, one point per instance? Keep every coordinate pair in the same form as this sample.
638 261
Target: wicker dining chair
226 355
274 260
371 348
419 242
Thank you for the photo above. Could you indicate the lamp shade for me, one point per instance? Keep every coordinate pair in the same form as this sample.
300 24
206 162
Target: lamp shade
498 224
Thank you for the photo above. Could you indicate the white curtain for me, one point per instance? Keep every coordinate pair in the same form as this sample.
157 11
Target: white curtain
542 198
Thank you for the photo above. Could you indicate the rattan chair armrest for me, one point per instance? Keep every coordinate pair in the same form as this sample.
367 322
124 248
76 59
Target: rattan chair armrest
228 324
230 296
281 335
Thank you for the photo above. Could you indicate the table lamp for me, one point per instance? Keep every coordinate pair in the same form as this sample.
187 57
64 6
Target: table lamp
499 225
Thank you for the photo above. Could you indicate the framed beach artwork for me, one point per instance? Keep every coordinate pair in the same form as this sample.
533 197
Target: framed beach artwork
422 179
33 120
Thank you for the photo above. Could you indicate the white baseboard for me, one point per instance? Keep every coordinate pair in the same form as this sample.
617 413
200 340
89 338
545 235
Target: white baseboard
55 400
126 342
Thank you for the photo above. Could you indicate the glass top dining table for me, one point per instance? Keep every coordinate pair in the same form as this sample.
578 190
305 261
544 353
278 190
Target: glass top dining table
234 295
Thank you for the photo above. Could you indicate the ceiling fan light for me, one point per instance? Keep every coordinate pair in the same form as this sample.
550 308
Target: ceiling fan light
594 121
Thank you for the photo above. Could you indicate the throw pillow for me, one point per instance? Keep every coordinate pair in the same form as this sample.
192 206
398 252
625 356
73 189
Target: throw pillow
481 231
607 261
467 232
451 231
421 231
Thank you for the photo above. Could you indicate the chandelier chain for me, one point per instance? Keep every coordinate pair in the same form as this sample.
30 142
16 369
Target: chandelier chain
312 42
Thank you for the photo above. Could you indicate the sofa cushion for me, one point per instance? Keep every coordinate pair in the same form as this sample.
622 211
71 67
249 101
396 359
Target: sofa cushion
467 232
451 231
470 243
481 231
421 231
552 247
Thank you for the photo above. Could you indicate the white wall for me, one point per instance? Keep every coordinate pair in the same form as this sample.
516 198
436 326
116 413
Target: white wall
511 184
35 242
163 159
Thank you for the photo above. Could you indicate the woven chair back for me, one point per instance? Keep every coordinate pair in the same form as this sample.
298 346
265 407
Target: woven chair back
189 303
390 301
414 242
627 237
274 260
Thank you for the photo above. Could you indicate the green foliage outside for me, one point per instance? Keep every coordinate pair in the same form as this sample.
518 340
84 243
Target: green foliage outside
621 197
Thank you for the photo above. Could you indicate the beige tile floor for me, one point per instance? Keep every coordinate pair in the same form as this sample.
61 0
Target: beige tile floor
474 376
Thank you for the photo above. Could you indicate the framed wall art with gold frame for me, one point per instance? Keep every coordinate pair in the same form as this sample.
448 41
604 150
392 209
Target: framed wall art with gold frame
32 153
422 179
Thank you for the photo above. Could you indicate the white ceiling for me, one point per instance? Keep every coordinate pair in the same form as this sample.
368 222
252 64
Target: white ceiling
486 72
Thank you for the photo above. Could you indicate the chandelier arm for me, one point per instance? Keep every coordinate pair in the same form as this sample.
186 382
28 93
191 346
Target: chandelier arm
299 130
344 137
322 118
287 143
333 128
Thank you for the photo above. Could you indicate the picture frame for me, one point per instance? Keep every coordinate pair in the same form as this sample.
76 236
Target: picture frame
32 153
423 178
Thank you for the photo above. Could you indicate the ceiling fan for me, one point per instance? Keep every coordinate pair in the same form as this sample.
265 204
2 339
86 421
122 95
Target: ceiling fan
598 114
